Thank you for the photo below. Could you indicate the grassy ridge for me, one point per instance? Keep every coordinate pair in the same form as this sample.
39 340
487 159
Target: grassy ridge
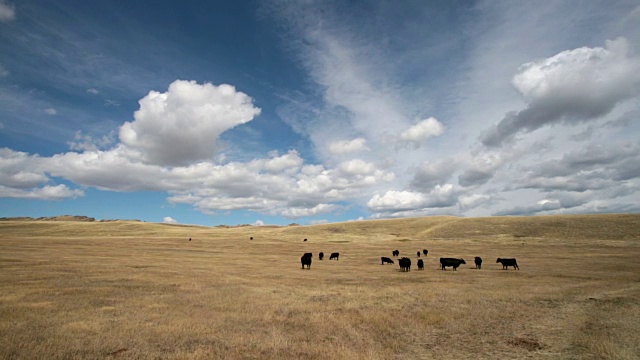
128 289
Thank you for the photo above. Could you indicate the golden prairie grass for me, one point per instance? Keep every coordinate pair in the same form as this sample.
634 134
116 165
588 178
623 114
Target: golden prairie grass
132 290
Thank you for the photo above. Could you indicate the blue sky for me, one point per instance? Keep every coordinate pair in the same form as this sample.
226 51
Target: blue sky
278 112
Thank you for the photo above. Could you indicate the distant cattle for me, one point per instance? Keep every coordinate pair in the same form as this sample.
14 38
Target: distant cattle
251 238
508 262
386 260
478 261
321 255
306 260
304 240
454 263
418 254
334 256
405 264
189 239
308 254
396 252
425 251
420 264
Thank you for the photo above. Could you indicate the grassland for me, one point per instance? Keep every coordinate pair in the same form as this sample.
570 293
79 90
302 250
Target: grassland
133 290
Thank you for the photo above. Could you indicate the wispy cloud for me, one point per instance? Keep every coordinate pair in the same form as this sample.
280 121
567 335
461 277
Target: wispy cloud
7 11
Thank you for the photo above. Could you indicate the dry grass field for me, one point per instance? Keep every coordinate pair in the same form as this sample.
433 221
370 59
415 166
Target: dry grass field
134 290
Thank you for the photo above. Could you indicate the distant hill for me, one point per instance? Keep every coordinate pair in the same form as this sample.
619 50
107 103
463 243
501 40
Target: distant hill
430 228
50 218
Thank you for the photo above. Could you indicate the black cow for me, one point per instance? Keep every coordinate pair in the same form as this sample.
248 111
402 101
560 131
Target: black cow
425 252
396 252
420 264
508 262
405 264
418 254
308 254
321 255
306 260
304 240
478 261
251 238
386 260
454 263
334 256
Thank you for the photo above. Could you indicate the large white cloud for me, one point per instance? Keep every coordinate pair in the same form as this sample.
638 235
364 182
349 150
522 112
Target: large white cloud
182 125
572 86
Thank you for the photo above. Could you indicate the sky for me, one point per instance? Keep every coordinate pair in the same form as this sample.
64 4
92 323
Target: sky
310 112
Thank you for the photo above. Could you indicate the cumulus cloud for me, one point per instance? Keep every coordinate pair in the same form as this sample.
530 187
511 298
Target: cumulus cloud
93 91
51 111
47 192
343 147
393 201
258 223
420 132
572 86
169 220
7 11
294 213
190 117
20 171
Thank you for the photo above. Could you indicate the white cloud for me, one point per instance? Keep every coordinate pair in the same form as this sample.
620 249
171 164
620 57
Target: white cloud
169 220
294 213
343 147
396 200
405 203
190 117
51 111
84 142
47 192
93 91
420 132
319 222
572 86
3 72
258 223
7 11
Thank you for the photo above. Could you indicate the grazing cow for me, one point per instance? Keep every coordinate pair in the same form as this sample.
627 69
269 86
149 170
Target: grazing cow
306 260
405 264
304 240
321 255
454 263
420 264
478 261
396 252
334 256
308 254
425 252
251 238
418 254
189 239
386 260
508 262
